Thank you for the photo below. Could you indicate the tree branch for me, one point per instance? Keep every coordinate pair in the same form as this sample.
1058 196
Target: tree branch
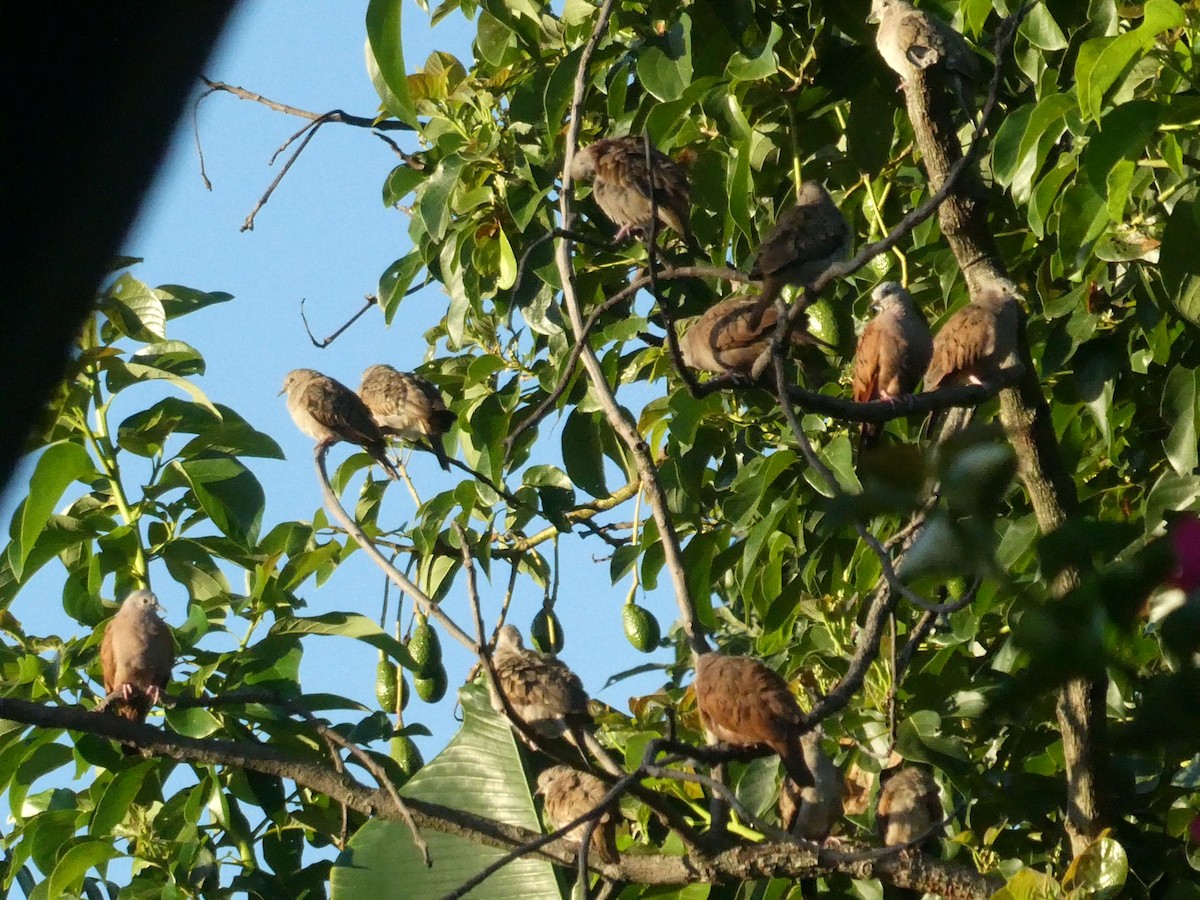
618 418
1025 415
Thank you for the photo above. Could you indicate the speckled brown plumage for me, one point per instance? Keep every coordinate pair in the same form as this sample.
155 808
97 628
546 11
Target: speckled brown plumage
623 185
542 689
328 411
407 406
908 807
806 240
722 340
566 795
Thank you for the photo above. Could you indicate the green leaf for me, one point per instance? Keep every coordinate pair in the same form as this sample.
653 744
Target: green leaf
385 57
1181 408
1029 884
1040 29
59 465
135 310
1103 60
762 65
402 181
351 625
1100 871
75 863
118 796
1177 259
230 495
481 771
583 453
395 282
434 206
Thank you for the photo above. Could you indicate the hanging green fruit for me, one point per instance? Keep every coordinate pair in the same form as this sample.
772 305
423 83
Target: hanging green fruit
546 631
431 689
641 628
425 648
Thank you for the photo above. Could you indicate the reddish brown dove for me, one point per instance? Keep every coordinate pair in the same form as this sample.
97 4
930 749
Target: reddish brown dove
136 656
722 340
623 185
407 406
893 352
541 689
745 704
811 812
808 239
328 411
978 341
909 806
567 794
910 39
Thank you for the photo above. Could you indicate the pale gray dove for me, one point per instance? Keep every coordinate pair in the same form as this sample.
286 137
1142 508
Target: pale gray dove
808 239
893 352
328 411
979 340
811 812
722 340
407 406
567 794
744 703
910 39
623 185
908 807
137 654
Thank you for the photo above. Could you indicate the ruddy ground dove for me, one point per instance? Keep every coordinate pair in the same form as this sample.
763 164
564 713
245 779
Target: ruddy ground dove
893 352
137 654
407 406
978 341
567 794
541 689
623 185
328 411
744 703
722 340
807 240
908 807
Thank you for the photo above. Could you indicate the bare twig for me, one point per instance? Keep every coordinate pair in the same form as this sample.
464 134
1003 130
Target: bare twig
371 300
336 115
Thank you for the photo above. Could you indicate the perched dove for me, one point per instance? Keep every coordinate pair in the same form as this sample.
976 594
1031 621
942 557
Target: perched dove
623 185
136 656
328 411
722 340
745 704
811 812
910 39
567 794
978 341
893 352
541 689
909 806
407 406
808 239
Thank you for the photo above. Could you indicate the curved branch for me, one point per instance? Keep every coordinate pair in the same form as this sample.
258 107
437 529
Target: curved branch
618 418
786 860
398 578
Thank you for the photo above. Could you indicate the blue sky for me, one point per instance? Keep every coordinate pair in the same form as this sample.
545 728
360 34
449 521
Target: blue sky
325 236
